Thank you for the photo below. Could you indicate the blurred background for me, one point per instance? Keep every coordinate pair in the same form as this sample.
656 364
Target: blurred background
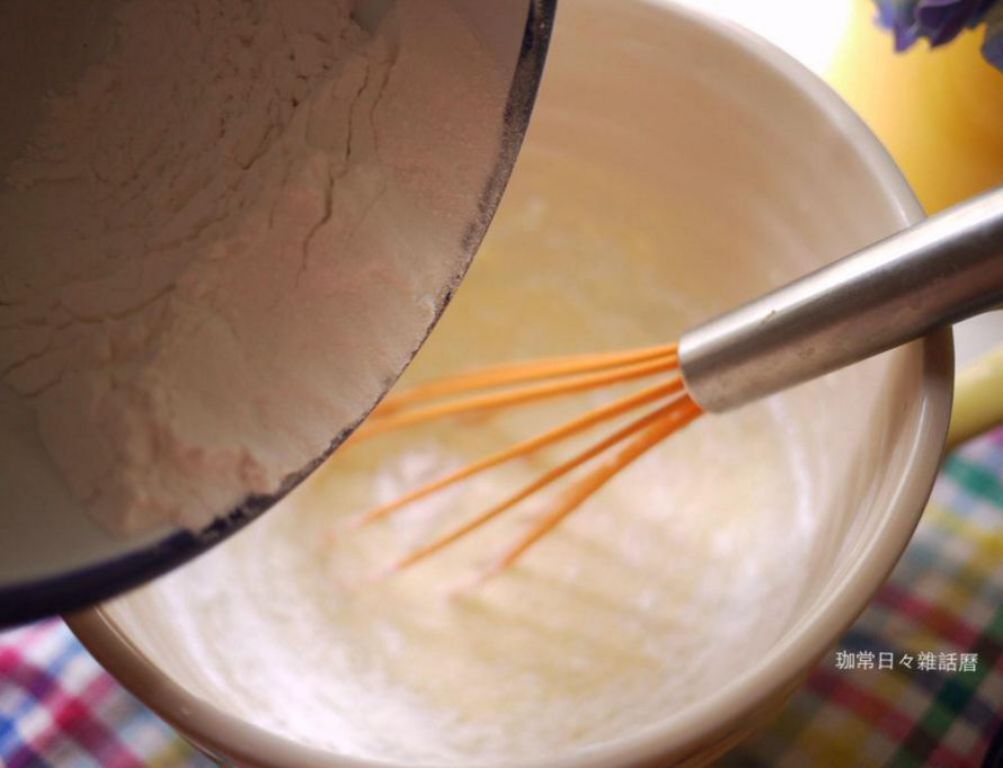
939 112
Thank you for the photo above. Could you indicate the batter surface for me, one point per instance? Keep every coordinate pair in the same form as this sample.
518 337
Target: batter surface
669 583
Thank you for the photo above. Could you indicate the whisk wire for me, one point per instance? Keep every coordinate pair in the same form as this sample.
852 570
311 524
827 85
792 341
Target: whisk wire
521 372
680 414
515 396
520 383
580 424
672 415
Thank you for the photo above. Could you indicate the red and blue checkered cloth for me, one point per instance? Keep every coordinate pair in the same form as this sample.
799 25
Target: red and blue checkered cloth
945 599
59 709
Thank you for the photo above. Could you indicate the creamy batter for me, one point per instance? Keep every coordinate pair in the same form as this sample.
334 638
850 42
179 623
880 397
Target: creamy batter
665 585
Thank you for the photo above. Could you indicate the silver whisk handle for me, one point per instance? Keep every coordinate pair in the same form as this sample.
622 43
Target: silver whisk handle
937 272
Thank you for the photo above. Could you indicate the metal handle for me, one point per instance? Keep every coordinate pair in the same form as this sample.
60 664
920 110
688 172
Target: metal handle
937 272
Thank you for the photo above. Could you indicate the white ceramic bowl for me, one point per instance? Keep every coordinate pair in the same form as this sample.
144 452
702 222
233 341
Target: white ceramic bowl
715 143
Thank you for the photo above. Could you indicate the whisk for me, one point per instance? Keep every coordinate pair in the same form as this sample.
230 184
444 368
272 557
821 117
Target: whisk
942 270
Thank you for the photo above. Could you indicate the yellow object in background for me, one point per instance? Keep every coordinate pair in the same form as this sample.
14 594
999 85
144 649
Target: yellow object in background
977 402
939 112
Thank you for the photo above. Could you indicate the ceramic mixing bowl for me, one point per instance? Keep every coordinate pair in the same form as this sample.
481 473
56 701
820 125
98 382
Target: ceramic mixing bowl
730 169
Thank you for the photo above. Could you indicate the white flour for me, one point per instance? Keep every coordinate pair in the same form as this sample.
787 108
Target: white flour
226 233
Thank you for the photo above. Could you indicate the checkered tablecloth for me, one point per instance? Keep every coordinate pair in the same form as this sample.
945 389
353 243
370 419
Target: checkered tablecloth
943 601
941 608
58 708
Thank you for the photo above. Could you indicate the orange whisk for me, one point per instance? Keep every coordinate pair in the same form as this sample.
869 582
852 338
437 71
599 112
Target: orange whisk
669 408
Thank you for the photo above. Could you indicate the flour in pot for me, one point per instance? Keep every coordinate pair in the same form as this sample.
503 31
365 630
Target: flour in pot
225 232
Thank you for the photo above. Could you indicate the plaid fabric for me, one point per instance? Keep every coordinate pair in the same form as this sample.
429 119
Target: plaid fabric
944 597
59 709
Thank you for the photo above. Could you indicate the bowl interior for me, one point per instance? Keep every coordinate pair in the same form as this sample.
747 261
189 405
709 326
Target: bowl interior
713 170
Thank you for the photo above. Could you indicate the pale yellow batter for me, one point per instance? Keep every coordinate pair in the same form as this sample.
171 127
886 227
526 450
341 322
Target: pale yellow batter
668 583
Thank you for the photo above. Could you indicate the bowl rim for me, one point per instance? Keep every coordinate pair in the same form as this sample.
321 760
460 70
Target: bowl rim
698 726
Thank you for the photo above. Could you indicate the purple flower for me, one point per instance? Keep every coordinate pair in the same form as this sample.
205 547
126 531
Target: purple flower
992 48
940 21
900 17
